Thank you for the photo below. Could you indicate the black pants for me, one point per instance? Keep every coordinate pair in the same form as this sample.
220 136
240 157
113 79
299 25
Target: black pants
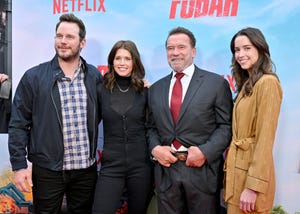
179 191
109 190
49 188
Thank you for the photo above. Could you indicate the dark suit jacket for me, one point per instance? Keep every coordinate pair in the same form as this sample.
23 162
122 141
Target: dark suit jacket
204 120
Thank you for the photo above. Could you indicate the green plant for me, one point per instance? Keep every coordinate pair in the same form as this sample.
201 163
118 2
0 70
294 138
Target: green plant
278 210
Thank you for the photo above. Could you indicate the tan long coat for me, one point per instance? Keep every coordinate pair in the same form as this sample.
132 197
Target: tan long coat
249 163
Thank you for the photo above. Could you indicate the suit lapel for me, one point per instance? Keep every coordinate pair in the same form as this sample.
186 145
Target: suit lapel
196 82
165 97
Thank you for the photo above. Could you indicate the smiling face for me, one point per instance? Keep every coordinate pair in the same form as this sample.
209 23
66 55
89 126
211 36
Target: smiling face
67 41
123 63
180 52
245 53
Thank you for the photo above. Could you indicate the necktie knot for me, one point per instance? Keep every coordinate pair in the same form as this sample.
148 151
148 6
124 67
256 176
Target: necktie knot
179 75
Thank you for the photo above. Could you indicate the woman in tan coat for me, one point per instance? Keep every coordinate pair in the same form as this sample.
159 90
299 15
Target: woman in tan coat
249 167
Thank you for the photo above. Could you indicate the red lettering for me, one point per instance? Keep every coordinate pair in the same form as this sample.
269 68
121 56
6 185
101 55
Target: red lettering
215 6
101 7
65 6
187 11
80 4
73 5
173 8
201 8
94 6
233 4
56 6
231 82
102 69
87 6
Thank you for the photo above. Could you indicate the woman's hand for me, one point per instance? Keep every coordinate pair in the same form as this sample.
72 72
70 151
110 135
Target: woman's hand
3 77
146 83
247 200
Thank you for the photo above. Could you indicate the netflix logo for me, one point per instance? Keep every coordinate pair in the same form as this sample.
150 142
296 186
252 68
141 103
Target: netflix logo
67 6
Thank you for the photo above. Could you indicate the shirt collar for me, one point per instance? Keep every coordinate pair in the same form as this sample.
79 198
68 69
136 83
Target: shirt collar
189 71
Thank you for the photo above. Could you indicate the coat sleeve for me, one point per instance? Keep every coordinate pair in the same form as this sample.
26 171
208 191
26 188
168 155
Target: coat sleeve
20 124
220 138
153 138
268 107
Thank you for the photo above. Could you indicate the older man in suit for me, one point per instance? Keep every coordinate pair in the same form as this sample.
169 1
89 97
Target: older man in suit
190 122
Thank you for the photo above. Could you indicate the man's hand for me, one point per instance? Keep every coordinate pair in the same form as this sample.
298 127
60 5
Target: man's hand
163 155
22 179
195 157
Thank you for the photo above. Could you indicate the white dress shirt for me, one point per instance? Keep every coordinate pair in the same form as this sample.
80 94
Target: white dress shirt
185 81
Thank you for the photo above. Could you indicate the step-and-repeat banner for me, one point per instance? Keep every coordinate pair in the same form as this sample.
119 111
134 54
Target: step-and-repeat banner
147 23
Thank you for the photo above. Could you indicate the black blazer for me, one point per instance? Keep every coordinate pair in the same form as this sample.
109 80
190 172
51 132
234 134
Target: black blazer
204 119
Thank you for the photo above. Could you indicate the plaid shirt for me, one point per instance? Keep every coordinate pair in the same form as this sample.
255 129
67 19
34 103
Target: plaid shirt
73 98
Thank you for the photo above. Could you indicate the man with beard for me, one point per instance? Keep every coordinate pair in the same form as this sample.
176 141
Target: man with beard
54 124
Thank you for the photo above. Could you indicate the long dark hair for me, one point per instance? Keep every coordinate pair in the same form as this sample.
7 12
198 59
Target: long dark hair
138 70
264 64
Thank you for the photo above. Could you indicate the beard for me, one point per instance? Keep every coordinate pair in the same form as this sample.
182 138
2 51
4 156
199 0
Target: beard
68 55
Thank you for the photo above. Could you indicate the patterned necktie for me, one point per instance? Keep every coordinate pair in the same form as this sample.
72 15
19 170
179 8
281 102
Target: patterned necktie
176 100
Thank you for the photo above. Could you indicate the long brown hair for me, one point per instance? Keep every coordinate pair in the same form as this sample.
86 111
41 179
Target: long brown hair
138 70
263 65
